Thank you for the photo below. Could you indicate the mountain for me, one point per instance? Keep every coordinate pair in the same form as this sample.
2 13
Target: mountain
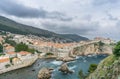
74 37
17 28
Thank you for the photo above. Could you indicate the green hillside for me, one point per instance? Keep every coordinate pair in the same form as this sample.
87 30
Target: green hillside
17 28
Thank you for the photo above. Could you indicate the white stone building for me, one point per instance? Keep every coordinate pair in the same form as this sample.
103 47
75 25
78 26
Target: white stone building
4 60
8 48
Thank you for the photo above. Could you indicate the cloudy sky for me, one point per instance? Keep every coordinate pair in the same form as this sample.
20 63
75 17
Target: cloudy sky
88 18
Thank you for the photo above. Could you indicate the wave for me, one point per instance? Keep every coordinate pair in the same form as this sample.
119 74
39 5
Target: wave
56 62
84 60
73 67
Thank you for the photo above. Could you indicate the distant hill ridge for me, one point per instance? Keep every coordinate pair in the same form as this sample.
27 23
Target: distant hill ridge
17 28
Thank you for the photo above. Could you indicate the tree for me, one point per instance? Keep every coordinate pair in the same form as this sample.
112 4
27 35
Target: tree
24 47
116 50
92 68
38 51
7 65
31 50
49 53
21 47
11 42
101 43
1 48
81 74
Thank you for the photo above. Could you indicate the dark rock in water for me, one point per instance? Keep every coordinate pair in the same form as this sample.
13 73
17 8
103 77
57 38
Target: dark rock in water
33 70
64 68
45 73
51 70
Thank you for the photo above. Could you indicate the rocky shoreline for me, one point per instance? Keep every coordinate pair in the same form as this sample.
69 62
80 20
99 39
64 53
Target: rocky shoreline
46 73
65 59
24 64
31 72
109 68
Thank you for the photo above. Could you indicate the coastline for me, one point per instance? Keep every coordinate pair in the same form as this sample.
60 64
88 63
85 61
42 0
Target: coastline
28 73
33 59
22 65
72 58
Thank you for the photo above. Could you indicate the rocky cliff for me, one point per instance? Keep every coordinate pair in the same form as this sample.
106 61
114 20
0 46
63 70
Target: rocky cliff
109 68
93 48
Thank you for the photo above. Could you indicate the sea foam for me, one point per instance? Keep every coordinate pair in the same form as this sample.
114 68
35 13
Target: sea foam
57 62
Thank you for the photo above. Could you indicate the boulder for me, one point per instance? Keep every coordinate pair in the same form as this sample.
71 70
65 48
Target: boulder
64 68
45 73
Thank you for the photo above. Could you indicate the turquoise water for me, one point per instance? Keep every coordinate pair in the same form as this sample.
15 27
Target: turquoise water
31 72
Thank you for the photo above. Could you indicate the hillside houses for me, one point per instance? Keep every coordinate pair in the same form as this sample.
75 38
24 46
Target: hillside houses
24 55
8 48
1 40
58 49
11 54
104 40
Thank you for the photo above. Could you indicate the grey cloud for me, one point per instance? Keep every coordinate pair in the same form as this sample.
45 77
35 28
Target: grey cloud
71 28
111 17
10 7
87 17
118 25
102 2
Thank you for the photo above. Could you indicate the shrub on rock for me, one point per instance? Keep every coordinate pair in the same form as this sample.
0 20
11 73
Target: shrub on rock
116 50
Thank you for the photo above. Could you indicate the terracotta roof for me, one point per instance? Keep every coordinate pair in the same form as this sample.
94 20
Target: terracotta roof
11 52
24 53
57 45
52 44
1 38
4 60
9 47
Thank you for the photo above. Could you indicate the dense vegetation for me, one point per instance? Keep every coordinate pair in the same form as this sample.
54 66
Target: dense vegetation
23 47
1 48
17 28
82 75
101 43
92 68
7 65
11 42
108 68
74 37
49 53
116 50
12 30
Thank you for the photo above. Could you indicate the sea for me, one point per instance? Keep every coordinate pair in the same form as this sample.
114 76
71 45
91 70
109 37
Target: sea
31 72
